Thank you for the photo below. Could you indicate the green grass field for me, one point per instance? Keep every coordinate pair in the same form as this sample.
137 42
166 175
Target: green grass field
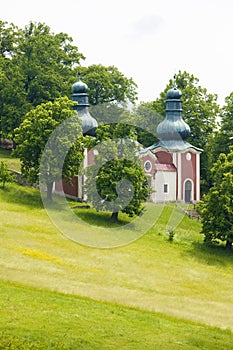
7 157
150 294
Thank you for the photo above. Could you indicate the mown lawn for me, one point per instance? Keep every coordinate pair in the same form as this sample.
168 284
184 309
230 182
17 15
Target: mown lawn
51 286
33 318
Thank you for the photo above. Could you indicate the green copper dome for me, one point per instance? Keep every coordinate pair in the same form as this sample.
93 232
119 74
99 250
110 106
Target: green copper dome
79 94
174 93
79 87
173 126
172 131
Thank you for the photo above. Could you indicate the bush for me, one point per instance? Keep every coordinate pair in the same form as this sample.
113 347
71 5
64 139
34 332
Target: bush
171 236
5 175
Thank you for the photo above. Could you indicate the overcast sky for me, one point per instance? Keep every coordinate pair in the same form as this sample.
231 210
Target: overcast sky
148 40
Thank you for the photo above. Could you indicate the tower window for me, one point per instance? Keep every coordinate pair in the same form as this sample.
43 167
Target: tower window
165 188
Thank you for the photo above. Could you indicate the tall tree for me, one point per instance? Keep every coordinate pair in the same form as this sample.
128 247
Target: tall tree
36 130
39 66
108 84
200 112
217 206
116 182
9 42
222 139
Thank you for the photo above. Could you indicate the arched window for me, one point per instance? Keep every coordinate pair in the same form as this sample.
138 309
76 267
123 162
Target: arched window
188 191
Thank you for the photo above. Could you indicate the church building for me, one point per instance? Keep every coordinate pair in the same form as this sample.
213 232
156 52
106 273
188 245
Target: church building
172 164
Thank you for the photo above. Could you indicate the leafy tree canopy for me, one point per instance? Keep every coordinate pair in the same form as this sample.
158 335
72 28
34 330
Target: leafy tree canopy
39 66
222 138
217 206
142 120
5 175
117 181
108 84
35 131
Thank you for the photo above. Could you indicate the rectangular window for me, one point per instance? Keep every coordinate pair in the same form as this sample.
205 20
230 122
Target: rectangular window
165 188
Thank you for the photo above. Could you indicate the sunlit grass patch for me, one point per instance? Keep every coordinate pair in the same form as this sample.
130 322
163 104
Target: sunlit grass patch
37 254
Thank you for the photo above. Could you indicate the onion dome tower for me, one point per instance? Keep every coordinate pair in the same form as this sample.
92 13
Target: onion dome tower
79 94
172 131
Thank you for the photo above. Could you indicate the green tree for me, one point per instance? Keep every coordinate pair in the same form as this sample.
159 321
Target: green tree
222 138
5 175
146 121
226 128
142 120
108 84
116 182
37 129
217 206
200 112
39 66
8 49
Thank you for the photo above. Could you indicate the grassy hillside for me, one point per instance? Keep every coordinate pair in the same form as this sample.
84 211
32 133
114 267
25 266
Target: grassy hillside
32 318
182 280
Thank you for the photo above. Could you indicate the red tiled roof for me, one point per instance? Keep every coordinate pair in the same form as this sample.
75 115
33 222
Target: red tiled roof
165 167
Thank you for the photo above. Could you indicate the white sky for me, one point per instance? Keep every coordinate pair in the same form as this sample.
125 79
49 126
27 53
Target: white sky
148 40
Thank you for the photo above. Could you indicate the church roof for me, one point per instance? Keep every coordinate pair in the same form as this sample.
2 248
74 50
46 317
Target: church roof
173 130
174 146
79 87
165 167
79 94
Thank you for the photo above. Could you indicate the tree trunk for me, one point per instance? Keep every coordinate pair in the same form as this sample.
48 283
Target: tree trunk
49 191
114 217
228 245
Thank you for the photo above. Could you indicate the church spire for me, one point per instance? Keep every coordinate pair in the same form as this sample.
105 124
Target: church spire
80 95
174 81
173 126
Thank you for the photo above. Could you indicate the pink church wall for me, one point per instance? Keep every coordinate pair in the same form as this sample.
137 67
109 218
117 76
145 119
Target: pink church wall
149 158
69 189
90 157
188 171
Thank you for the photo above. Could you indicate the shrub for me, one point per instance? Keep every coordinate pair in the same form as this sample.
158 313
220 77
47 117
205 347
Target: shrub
171 235
5 175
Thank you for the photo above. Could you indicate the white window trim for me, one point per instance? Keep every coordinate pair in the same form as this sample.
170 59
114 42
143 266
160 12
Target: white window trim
167 187
147 161
192 192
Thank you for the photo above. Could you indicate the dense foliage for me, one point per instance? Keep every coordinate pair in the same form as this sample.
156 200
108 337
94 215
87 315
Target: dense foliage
217 206
108 84
36 66
116 182
37 129
5 175
222 138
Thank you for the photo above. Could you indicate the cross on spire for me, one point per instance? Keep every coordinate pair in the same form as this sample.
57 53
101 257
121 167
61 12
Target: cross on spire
174 81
